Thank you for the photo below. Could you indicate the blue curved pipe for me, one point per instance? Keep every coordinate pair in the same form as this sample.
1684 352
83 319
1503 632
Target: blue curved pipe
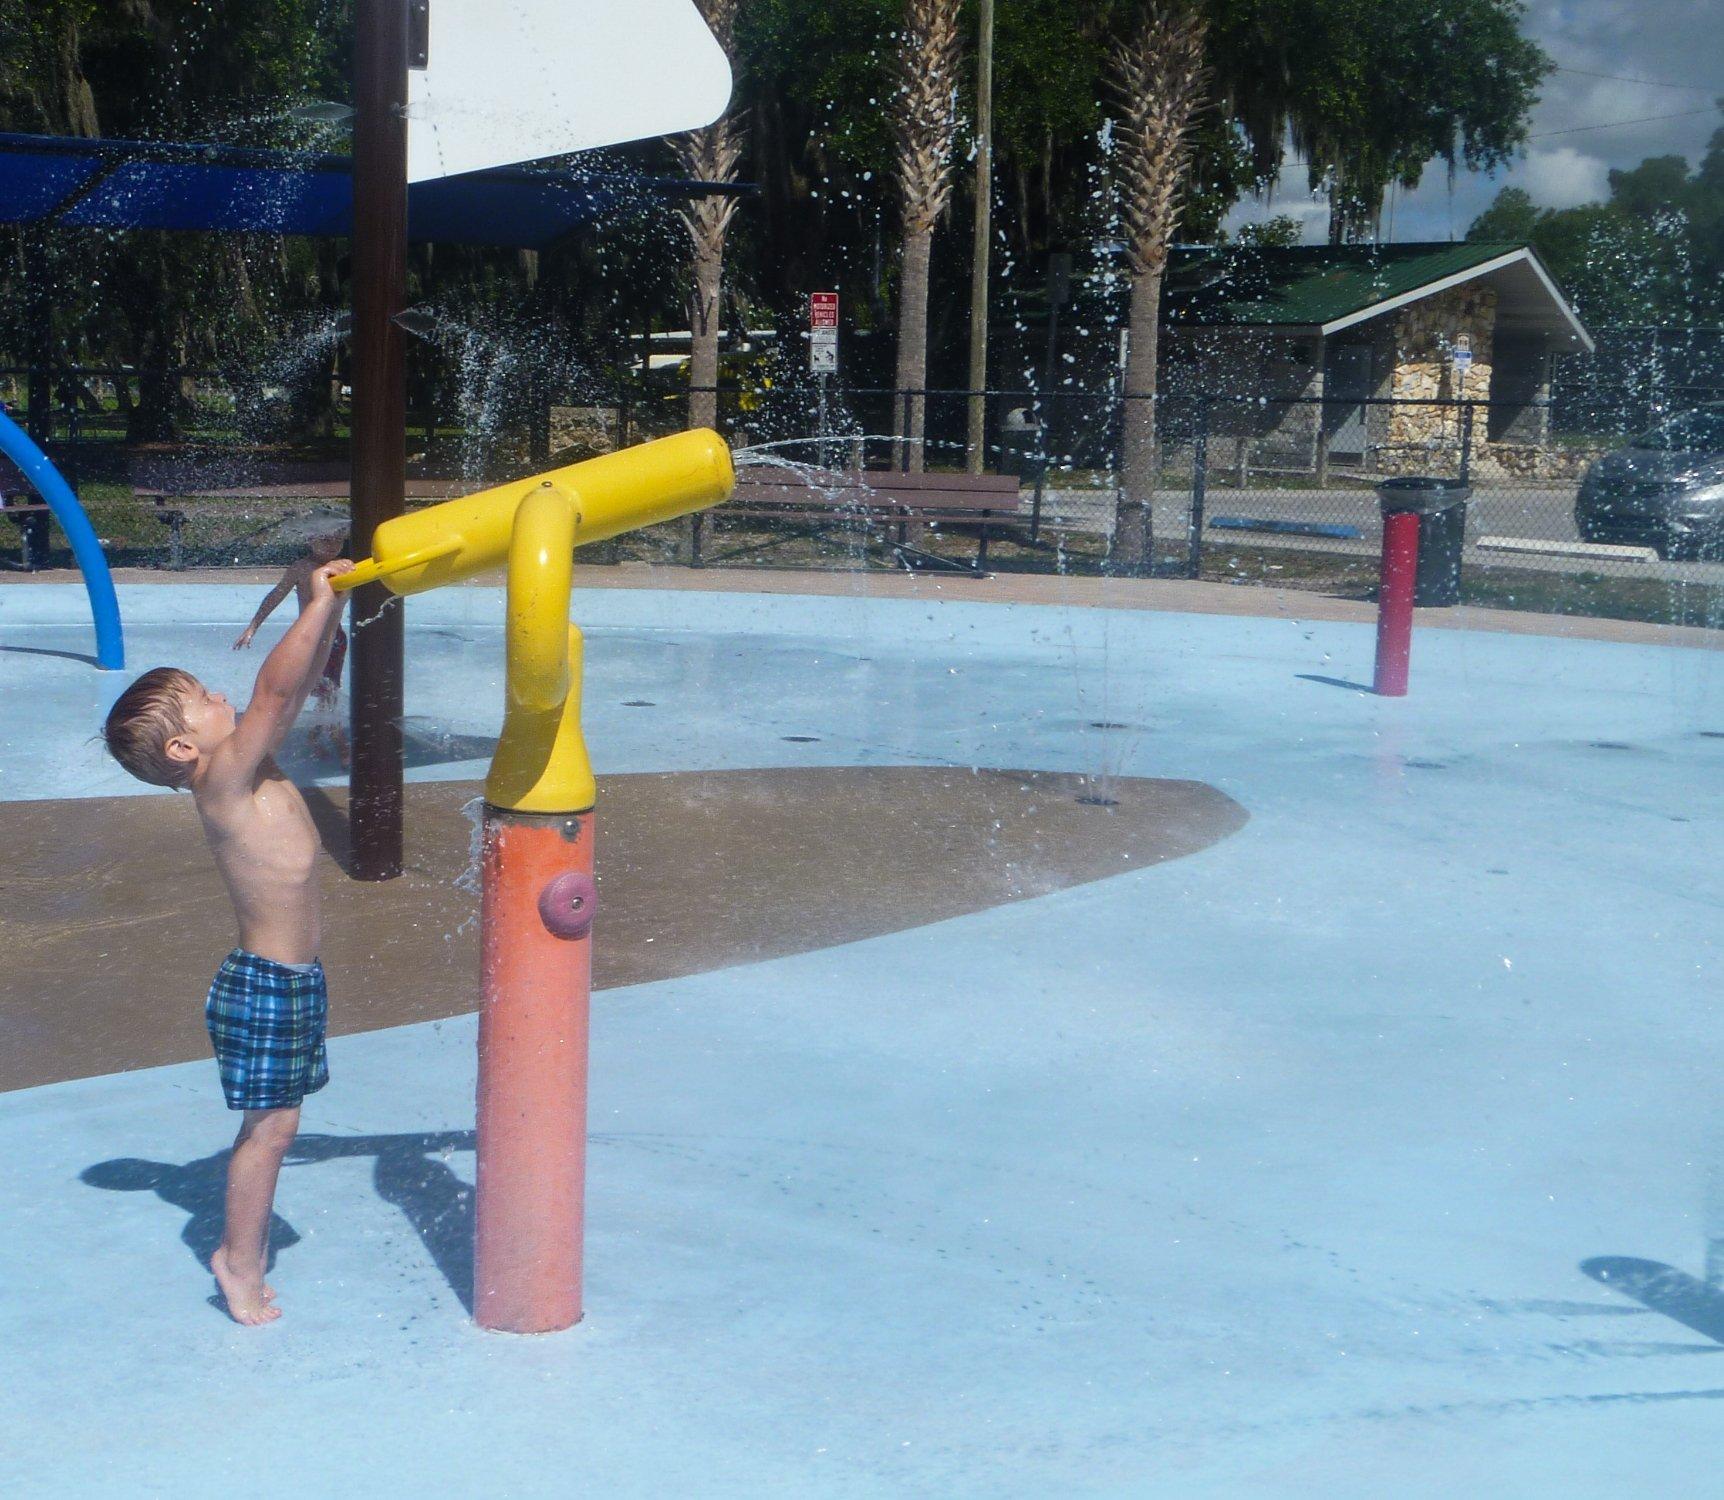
15 443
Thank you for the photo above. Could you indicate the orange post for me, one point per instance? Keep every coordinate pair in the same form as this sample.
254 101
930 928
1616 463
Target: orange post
536 971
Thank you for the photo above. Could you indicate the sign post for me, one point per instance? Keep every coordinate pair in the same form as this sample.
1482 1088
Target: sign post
823 352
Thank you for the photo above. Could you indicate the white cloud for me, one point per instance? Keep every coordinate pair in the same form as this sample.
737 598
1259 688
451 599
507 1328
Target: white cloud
1288 198
1561 177
1312 214
1630 72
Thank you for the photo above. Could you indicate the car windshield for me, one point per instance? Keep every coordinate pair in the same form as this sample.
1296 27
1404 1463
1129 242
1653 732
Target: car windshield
1692 432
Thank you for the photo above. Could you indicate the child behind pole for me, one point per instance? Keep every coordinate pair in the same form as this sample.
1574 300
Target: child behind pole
296 579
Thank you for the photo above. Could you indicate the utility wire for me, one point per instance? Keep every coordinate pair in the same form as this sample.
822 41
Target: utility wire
1683 114
1650 83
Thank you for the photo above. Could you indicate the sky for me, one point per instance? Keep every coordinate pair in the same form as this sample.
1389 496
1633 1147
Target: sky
1663 57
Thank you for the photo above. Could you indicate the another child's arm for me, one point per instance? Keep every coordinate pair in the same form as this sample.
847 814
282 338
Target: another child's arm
289 581
285 679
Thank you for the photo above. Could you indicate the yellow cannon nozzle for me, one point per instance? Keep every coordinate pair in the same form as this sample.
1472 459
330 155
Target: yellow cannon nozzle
363 572
618 492
372 569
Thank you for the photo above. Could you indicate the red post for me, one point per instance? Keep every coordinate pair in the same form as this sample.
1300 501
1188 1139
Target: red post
1395 602
536 967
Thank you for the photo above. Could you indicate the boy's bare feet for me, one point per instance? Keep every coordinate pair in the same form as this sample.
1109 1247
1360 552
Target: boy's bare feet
246 1296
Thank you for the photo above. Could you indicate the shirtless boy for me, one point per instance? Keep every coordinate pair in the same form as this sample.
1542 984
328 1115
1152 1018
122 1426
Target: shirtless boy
296 579
268 1007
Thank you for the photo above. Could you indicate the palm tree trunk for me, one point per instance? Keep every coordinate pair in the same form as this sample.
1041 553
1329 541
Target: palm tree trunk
709 155
1133 550
913 348
704 331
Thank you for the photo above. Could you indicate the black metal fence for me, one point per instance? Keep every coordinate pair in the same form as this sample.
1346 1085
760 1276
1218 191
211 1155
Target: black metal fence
1246 489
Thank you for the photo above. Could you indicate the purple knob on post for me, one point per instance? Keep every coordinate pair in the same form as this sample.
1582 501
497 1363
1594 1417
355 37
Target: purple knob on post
567 904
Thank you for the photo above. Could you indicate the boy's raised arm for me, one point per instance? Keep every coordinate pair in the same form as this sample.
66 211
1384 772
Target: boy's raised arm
284 681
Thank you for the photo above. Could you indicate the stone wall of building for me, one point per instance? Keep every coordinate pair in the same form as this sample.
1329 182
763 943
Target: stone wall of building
1534 461
1426 439
1412 426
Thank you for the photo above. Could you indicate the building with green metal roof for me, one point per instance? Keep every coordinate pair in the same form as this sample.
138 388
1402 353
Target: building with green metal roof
1382 357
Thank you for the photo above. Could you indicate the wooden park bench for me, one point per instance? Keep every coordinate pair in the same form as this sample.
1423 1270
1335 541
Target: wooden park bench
883 504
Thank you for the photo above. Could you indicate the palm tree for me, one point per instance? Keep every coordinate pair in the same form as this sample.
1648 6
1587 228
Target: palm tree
1156 70
924 130
709 155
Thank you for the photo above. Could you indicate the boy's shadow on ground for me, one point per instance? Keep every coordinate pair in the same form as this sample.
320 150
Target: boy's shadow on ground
412 1173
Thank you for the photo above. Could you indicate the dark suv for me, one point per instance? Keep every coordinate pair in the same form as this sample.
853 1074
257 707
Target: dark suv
1664 490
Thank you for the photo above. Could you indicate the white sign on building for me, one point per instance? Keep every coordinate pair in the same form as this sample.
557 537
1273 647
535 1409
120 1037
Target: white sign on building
517 80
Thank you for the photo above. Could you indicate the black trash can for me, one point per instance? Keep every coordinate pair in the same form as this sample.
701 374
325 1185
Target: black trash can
1441 506
1021 444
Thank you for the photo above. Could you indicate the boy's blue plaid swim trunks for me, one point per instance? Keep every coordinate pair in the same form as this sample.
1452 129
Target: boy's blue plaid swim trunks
266 1023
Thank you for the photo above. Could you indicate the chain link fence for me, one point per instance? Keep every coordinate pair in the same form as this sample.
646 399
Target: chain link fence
1569 511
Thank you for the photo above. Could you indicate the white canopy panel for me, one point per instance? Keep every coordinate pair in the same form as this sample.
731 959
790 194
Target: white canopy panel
517 80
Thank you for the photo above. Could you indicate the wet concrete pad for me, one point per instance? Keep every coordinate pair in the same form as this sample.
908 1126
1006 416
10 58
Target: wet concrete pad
115 918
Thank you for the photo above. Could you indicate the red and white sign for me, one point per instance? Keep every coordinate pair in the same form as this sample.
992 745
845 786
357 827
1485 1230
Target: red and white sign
823 332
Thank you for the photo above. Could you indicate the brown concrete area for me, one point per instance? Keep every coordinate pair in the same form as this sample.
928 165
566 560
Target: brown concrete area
1188 596
114 919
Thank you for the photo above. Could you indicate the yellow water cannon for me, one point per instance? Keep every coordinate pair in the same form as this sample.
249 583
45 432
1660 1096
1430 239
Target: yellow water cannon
533 526
622 491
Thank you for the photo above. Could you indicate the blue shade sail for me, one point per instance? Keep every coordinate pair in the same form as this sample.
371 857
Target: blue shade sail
113 184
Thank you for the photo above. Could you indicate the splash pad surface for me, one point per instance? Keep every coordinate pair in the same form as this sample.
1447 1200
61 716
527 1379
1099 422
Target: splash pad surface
1268 1169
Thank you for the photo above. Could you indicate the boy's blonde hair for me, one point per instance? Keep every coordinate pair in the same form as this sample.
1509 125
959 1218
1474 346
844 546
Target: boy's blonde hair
142 721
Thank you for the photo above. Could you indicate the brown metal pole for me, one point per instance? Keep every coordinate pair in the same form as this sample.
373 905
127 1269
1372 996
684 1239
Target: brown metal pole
379 424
